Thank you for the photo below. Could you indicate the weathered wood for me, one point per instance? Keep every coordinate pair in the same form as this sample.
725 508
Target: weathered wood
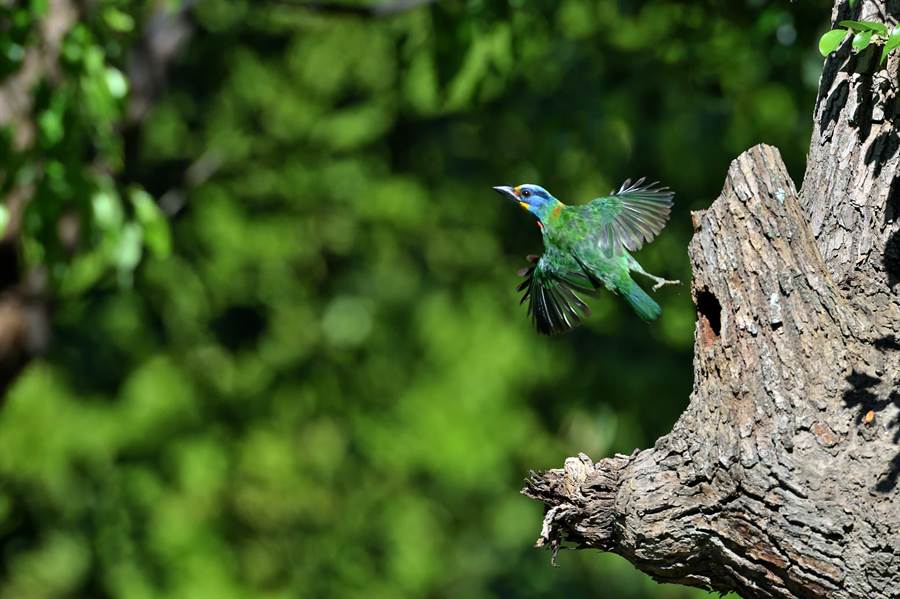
780 479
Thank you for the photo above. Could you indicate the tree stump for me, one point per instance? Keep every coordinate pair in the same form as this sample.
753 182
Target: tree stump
781 477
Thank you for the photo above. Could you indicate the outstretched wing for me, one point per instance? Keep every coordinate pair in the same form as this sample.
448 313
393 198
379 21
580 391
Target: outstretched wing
553 297
630 217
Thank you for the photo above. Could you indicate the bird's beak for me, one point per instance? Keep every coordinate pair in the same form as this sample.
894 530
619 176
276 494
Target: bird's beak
510 193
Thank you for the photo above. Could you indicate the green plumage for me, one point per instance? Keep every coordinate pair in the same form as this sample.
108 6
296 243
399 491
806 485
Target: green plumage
586 249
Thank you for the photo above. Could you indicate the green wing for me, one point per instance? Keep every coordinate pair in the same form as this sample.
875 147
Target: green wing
552 291
630 217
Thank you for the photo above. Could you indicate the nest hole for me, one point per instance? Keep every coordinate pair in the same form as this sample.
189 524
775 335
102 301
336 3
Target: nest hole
709 313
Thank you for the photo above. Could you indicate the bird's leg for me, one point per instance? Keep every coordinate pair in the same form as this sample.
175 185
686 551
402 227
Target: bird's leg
661 282
634 266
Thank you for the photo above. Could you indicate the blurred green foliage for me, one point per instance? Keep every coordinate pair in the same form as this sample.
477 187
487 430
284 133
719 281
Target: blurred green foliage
320 383
72 161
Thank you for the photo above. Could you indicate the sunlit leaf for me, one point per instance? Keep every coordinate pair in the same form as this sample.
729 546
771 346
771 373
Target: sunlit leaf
84 272
128 250
891 43
118 20
829 42
116 82
107 209
861 40
157 237
4 218
865 26
51 126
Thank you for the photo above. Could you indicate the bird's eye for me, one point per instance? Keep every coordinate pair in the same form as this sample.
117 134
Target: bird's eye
525 193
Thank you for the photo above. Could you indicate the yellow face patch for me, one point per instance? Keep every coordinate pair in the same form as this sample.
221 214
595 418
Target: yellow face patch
516 190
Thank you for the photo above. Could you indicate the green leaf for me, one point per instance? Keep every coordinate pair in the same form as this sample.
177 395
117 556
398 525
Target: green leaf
880 28
107 209
51 126
118 20
157 236
891 43
829 42
127 253
83 273
116 82
851 3
861 40
38 8
4 218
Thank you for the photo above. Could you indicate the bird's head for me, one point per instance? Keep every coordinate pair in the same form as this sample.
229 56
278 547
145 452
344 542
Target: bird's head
533 198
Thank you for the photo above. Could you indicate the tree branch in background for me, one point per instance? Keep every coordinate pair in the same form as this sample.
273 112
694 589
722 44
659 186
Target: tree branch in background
24 323
379 10
165 35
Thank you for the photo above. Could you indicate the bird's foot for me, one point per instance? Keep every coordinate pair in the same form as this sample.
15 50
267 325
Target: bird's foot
660 282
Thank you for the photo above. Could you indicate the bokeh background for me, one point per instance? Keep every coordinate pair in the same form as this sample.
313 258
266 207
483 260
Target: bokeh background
285 354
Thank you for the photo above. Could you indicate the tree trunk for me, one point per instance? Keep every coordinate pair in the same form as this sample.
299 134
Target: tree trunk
780 479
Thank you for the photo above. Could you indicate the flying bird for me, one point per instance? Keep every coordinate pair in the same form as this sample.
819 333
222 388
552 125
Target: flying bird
586 248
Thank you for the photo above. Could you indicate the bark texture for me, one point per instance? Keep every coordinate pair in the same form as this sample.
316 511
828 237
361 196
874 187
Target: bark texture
780 479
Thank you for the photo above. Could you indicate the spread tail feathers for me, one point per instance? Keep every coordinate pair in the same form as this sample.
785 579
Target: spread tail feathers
642 303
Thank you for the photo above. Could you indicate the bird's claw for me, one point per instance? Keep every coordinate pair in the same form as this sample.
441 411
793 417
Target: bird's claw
663 282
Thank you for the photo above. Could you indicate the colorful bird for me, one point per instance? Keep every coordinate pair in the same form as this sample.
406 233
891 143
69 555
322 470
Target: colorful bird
586 248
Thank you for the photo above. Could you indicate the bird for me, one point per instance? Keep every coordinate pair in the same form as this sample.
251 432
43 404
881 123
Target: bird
586 248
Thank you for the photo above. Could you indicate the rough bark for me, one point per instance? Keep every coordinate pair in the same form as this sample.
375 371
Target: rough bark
780 479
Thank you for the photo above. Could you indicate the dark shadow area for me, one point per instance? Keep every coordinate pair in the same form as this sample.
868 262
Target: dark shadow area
889 481
861 395
893 8
870 89
864 396
849 10
241 326
889 342
835 103
882 149
865 103
892 259
846 61
10 272
892 211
